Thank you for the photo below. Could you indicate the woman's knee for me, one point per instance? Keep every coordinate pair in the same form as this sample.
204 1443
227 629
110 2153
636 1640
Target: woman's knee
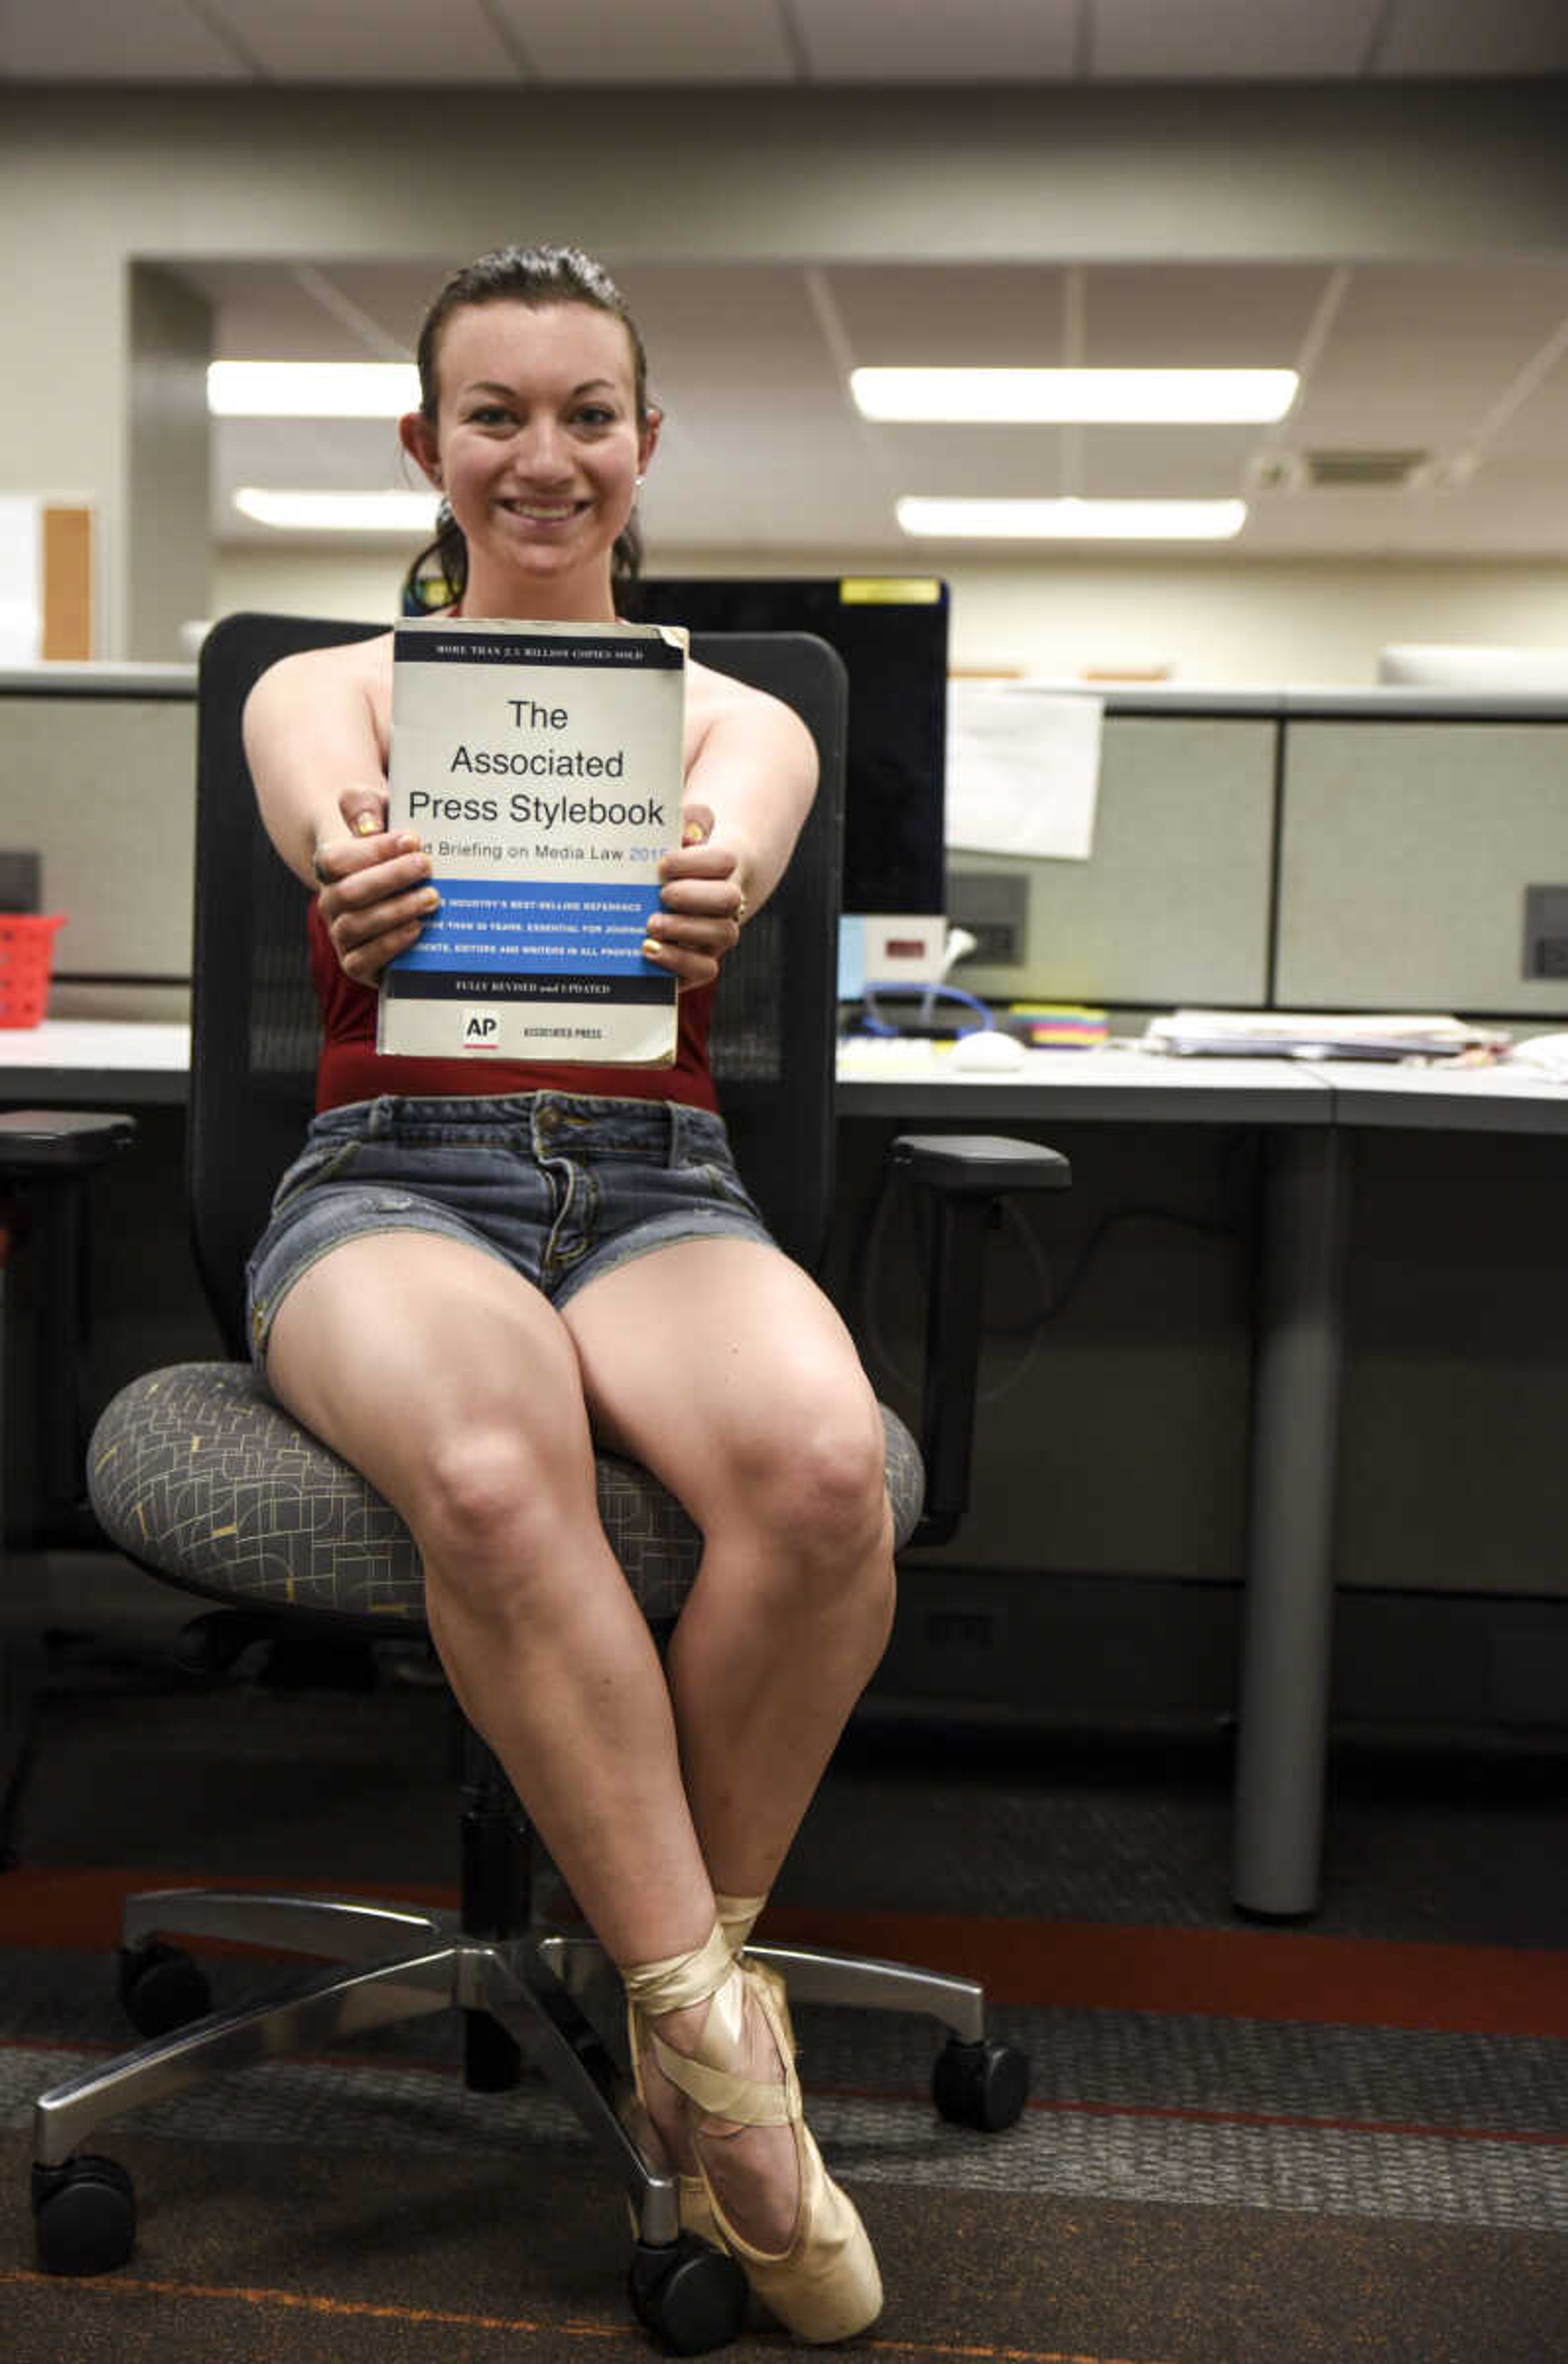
814 1487
492 1508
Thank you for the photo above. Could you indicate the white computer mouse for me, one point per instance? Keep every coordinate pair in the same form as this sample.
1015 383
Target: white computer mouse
987 1052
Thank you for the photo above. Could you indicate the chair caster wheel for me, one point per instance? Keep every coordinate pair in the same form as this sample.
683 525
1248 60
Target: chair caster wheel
982 2084
688 2295
84 2216
161 1988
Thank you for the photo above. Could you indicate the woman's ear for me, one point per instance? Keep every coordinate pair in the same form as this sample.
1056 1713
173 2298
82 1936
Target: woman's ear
648 438
417 437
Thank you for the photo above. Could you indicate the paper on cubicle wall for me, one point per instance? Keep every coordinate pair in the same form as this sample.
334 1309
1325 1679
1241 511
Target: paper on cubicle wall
1023 769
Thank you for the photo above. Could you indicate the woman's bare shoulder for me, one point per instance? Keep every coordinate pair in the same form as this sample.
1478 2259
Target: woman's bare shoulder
347 664
713 697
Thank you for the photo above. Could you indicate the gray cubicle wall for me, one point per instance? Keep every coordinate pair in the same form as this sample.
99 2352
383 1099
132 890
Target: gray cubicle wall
1293 849
1412 826
97 775
1173 904
1347 849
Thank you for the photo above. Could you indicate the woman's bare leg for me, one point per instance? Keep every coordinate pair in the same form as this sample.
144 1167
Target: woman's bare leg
454 1387
722 1368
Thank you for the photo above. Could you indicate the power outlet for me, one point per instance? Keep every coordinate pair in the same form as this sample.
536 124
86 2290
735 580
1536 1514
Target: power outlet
1546 932
993 906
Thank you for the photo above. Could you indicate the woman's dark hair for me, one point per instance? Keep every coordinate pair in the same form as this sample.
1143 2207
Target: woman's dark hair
537 276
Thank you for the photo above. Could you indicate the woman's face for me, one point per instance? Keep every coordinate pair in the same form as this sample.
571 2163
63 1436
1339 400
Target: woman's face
536 446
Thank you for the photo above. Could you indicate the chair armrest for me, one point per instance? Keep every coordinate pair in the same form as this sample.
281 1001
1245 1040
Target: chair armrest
51 1141
973 1164
968 1175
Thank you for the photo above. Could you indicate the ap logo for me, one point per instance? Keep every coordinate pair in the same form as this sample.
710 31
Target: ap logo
478 1032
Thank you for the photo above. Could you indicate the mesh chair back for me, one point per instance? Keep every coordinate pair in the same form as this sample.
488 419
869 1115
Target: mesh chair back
255 1024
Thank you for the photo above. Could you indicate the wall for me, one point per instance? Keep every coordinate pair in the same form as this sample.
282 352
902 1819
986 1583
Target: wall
1248 624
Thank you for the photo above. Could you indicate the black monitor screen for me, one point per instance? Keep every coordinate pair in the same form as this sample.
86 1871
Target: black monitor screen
892 633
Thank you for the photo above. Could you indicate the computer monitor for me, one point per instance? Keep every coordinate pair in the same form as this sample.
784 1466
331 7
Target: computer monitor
892 633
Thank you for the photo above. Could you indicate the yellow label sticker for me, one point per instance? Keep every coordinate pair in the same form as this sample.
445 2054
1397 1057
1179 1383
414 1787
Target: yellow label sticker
889 591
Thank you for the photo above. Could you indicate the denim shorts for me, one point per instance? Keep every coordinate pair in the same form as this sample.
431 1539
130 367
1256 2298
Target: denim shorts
559 1186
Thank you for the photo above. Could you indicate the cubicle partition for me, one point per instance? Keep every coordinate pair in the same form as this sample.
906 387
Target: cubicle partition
97 770
1289 849
1332 849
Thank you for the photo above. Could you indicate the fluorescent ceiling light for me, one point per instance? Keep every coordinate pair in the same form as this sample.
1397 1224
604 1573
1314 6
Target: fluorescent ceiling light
311 389
1055 396
339 512
1074 521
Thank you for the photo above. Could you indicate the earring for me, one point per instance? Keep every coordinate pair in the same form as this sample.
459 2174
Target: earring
642 480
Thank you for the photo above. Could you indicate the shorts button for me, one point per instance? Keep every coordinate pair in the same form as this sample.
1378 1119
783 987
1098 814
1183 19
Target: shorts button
549 1120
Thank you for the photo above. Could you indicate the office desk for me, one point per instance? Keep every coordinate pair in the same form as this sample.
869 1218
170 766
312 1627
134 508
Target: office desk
78 1061
1310 1114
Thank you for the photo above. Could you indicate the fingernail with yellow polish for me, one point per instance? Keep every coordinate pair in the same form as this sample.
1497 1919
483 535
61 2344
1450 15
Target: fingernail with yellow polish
651 950
364 825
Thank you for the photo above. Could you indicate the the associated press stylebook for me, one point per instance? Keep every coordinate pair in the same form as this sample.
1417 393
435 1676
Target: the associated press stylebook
541 767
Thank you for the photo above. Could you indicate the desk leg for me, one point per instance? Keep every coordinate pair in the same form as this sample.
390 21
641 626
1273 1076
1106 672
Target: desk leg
1289 1603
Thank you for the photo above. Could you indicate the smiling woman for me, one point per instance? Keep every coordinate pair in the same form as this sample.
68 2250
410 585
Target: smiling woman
477 1269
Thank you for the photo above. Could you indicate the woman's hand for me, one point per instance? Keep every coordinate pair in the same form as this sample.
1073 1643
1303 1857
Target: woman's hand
702 904
375 895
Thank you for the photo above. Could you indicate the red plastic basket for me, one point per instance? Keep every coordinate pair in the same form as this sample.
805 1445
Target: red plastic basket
27 945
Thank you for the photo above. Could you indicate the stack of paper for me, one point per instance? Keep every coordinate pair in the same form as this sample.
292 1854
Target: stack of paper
1303 1034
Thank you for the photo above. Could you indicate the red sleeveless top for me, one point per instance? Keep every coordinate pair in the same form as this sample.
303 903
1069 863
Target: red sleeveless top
352 1069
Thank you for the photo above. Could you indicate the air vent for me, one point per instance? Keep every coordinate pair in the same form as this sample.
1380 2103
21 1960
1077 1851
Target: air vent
1364 471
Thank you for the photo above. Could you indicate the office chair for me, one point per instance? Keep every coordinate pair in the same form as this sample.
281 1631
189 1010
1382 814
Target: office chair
201 1478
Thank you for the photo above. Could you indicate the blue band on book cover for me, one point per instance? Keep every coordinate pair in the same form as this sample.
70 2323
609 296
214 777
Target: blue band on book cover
542 766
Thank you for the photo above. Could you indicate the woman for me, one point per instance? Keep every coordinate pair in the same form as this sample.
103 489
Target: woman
457 1340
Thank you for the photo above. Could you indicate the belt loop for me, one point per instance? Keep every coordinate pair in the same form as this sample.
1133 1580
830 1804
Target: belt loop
676 1140
382 1112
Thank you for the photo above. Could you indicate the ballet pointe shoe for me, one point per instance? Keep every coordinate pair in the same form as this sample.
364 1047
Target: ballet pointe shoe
737 1917
825 2286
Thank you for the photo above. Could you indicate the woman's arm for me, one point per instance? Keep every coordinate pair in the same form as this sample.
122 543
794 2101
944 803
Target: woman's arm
748 789
315 752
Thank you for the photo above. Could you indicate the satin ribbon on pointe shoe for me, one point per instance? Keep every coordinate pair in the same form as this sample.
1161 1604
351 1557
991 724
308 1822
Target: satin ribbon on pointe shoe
738 1916
825 2287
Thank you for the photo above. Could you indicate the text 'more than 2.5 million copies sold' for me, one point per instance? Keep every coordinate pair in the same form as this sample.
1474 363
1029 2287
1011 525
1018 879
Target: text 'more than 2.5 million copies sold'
542 766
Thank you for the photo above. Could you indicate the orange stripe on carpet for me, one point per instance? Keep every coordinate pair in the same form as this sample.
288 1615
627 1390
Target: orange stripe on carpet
129 2286
1288 1974
1230 1973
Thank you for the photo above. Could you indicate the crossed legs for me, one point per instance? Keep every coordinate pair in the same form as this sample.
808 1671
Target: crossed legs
471 1405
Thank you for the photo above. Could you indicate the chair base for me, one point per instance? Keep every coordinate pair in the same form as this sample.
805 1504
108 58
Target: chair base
556 1998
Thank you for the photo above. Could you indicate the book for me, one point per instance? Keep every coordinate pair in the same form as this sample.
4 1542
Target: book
542 766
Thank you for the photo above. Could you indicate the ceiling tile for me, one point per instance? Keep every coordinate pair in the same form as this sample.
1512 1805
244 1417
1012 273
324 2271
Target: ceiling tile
952 315
1420 353
1198 316
926 40
367 41
1230 39
634 41
1455 37
95 41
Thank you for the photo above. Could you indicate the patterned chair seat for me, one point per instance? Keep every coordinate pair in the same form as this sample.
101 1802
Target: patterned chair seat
199 1473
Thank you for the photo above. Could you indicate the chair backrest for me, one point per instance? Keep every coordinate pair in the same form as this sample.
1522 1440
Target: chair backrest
255 1024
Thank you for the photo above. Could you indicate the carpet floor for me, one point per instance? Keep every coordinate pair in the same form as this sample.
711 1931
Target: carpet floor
1242 2145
